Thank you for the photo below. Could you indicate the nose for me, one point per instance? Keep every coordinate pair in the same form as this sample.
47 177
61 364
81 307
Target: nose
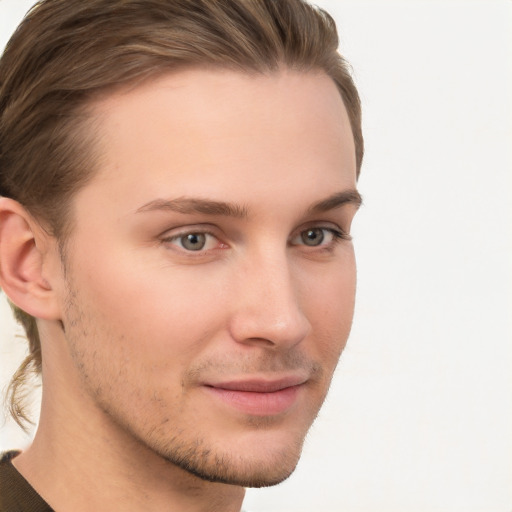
267 304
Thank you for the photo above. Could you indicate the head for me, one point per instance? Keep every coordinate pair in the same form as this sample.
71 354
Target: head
82 84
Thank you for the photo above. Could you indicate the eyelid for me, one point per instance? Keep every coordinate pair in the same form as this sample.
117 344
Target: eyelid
171 235
182 230
337 233
333 227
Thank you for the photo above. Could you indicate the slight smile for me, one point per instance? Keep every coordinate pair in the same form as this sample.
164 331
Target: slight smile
259 397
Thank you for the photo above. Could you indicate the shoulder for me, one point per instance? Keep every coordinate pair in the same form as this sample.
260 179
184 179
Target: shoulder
16 494
6 457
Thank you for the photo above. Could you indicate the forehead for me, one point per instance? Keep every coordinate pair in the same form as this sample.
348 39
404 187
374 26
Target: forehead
201 131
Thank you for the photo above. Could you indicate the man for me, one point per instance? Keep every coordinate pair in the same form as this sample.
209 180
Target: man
178 181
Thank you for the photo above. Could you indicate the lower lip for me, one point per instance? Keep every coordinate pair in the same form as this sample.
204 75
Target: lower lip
258 404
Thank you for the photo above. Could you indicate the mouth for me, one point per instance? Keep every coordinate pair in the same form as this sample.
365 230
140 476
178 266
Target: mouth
258 397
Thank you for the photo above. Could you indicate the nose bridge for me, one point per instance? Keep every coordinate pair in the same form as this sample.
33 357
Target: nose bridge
268 301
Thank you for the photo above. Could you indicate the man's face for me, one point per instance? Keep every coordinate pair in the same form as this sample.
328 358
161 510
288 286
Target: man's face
210 278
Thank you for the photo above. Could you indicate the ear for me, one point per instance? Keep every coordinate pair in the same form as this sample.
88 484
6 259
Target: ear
24 254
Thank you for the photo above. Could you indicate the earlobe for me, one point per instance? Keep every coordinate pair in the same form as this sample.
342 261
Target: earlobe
22 257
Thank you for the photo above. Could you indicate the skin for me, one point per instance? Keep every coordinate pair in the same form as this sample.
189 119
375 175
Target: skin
173 375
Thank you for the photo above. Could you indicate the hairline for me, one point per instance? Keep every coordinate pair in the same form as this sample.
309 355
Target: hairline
93 117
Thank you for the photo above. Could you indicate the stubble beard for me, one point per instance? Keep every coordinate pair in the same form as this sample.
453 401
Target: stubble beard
234 469
194 455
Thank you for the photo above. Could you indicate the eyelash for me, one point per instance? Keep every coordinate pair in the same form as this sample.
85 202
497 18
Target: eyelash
338 236
182 235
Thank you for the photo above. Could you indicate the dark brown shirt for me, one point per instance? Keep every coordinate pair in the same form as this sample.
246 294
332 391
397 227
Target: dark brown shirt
16 494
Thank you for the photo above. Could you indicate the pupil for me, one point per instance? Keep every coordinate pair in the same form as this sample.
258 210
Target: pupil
313 237
194 241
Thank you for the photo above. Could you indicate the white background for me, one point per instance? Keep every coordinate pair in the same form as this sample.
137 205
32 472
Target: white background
419 418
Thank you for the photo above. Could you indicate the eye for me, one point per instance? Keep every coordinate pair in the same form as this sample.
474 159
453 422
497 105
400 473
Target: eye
315 237
193 241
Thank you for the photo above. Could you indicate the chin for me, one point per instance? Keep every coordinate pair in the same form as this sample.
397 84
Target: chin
239 469
257 464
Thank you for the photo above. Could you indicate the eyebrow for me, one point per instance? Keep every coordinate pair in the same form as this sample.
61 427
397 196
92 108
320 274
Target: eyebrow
190 205
337 200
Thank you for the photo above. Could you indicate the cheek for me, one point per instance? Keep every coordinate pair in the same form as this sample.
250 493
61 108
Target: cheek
135 332
330 308
155 308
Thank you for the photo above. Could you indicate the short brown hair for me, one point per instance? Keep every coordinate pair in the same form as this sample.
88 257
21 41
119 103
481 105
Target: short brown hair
66 52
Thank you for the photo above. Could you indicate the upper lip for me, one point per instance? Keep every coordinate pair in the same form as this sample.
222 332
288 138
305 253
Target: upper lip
259 385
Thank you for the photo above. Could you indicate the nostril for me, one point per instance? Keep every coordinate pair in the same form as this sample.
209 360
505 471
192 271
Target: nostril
259 327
